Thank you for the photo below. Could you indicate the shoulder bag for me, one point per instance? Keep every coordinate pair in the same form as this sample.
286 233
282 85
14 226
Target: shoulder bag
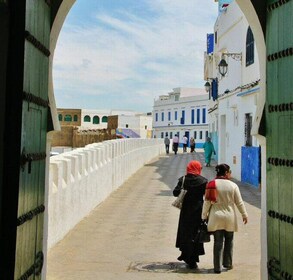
179 200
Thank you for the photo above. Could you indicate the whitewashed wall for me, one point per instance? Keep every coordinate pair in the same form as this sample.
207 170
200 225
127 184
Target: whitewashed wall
81 179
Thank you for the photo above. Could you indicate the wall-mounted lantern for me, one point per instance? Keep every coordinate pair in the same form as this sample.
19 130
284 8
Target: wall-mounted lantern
223 65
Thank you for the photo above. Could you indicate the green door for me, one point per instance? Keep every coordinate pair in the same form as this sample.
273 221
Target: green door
23 128
29 255
279 108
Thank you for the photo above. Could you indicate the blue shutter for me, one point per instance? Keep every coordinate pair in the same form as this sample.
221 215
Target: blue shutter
198 116
192 116
215 89
182 121
204 115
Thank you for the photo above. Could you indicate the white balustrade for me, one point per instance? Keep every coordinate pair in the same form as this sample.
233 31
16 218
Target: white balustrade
81 179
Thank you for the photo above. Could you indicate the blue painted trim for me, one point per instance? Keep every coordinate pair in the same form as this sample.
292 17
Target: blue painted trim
176 126
248 92
197 145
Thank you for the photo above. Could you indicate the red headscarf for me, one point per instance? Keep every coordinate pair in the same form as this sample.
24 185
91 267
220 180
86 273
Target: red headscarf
194 167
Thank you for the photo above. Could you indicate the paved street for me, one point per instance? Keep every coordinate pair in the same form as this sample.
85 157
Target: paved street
131 235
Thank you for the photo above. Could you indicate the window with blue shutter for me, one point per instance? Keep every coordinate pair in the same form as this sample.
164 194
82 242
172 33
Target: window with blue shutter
156 117
204 115
176 115
182 121
169 116
249 47
162 116
198 116
192 116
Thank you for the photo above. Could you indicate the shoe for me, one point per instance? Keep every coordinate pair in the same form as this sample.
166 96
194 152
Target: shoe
229 267
217 271
193 266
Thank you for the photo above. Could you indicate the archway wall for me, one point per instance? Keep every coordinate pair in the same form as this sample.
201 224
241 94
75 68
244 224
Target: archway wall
81 179
255 13
60 10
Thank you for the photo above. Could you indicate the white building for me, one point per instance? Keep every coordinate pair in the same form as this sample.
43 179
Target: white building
184 112
98 119
234 96
141 124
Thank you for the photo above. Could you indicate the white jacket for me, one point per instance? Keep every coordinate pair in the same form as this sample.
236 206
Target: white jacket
222 213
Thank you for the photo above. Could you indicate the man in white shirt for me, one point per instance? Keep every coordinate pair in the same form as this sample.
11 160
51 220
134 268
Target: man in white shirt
184 141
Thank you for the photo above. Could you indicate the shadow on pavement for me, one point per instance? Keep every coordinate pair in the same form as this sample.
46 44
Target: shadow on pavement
171 167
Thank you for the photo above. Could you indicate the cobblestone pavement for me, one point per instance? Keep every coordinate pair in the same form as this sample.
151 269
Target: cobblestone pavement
131 235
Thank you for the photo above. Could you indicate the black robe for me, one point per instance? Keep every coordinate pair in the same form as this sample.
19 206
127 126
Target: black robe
190 218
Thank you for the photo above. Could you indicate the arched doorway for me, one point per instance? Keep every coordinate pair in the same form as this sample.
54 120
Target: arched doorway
22 167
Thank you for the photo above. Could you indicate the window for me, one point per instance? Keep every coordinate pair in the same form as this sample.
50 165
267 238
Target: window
216 37
126 125
171 135
104 119
87 118
204 115
207 134
249 47
162 134
176 97
166 134
96 120
195 135
176 116
60 117
198 116
75 118
68 118
169 116
247 130
162 116
192 116
200 135
182 121
145 127
156 117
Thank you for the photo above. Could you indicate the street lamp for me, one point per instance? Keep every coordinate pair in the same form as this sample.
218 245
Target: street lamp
207 86
212 88
223 65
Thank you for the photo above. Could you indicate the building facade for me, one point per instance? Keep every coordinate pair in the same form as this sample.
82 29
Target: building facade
234 96
183 112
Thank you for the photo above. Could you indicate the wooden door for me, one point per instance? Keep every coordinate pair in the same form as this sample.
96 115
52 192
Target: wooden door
279 108
22 158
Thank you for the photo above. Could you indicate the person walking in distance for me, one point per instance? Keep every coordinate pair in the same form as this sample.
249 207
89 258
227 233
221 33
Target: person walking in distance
184 141
209 149
175 143
192 144
167 143
222 197
190 214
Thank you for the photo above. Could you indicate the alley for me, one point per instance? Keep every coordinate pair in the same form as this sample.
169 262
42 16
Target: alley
131 235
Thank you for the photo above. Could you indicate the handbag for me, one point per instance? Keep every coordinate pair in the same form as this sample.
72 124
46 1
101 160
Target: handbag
179 200
203 236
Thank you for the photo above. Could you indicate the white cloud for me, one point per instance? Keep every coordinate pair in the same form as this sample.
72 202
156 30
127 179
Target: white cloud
127 55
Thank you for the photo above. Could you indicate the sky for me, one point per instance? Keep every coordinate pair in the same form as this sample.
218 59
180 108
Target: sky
122 54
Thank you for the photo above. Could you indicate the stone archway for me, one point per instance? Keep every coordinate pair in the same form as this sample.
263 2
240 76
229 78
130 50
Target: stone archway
255 15
258 30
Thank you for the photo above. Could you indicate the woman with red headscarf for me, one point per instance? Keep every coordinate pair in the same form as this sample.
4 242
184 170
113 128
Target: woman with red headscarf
190 214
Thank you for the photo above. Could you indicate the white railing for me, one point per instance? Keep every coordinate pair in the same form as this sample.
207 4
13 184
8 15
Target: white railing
81 179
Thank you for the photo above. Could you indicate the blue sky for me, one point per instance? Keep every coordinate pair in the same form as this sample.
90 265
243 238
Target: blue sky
121 54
